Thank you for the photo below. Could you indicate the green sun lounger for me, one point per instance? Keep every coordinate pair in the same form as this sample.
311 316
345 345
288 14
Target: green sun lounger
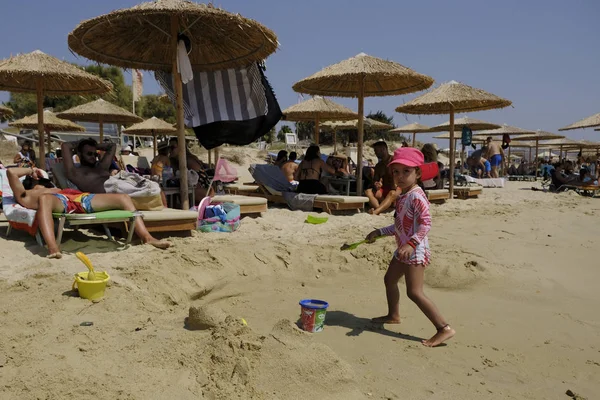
99 218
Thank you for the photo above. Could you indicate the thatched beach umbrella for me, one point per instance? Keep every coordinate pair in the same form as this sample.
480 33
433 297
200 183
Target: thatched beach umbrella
474 124
363 76
413 128
51 123
100 111
560 143
588 122
5 111
539 135
505 130
42 74
450 98
318 109
368 125
146 37
152 126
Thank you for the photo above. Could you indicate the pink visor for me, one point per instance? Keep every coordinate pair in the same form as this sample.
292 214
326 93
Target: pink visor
408 156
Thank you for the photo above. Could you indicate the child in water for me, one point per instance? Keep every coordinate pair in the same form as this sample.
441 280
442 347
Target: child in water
411 225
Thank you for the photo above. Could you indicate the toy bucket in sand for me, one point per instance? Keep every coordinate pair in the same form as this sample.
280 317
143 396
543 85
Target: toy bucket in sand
312 314
91 290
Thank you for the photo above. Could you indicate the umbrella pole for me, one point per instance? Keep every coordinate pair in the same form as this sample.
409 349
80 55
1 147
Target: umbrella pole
361 116
334 140
560 154
414 139
317 130
537 163
39 90
183 178
529 154
101 128
154 137
49 140
452 155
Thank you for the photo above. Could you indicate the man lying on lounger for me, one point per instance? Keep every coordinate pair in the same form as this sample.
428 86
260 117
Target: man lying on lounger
38 193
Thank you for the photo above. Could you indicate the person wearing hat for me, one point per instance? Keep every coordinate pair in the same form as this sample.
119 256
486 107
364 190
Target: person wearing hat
126 151
26 156
383 181
412 223
161 160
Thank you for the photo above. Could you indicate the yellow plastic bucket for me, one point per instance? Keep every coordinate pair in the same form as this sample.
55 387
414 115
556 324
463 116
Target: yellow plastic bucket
91 290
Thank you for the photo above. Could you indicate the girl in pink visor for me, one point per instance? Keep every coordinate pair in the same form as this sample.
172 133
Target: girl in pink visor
410 228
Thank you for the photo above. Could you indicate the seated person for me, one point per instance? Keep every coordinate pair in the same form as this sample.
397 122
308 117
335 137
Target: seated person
26 156
290 167
194 164
310 170
126 151
38 193
339 162
559 179
160 161
282 157
383 181
512 170
586 177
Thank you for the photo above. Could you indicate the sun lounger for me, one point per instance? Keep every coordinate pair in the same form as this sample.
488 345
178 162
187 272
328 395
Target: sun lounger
248 204
438 195
100 218
170 220
529 178
486 182
584 190
18 217
468 192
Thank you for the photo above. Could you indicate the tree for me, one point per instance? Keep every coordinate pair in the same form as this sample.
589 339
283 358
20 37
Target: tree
152 106
269 136
25 104
305 130
282 131
380 134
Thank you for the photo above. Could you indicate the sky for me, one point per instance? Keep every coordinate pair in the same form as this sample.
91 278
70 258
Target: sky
540 54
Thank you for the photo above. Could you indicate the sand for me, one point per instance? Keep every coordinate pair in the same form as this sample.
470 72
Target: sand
515 272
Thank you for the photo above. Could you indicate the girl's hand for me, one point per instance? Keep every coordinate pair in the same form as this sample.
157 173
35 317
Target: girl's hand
372 236
405 252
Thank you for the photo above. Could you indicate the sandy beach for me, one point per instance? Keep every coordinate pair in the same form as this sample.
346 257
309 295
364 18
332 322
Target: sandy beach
514 272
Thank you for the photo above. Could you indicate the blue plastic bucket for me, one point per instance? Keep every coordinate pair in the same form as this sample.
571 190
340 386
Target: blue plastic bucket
312 314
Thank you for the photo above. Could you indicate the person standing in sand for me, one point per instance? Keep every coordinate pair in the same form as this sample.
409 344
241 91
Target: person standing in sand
495 155
38 193
410 228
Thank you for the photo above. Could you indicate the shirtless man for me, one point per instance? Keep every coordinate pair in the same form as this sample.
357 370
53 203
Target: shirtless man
92 174
495 155
290 167
39 194
383 181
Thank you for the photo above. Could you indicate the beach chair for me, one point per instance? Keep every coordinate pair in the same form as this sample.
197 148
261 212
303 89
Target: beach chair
437 195
273 186
18 217
468 192
583 190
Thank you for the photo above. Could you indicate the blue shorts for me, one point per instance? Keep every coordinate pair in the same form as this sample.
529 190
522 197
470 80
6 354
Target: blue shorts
488 166
495 160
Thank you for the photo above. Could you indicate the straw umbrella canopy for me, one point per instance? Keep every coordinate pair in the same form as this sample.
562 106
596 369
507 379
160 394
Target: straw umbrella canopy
5 111
99 111
152 126
474 124
505 130
51 123
449 98
353 124
318 109
363 76
42 74
146 37
588 122
413 128
560 143
539 135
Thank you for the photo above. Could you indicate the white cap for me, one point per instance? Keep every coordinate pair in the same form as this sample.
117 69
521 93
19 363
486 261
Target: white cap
126 148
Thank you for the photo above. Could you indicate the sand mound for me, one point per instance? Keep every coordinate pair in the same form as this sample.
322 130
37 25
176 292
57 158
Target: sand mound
286 364
455 273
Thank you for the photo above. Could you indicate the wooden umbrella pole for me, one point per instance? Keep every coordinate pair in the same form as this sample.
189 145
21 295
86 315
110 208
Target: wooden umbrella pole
209 157
560 154
216 155
154 137
317 130
49 138
183 178
537 163
361 116
39 90
414 139
334 140
452 156
101 128
530 154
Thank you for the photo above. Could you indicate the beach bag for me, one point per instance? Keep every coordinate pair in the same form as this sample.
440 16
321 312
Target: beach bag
221 217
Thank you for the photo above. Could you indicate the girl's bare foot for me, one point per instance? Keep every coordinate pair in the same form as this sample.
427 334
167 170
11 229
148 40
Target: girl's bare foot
443 334
386 319
56 255
159 244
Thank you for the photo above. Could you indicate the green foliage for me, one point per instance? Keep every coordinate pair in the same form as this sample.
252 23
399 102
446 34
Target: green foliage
282 131
305 130
270 136
151 106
